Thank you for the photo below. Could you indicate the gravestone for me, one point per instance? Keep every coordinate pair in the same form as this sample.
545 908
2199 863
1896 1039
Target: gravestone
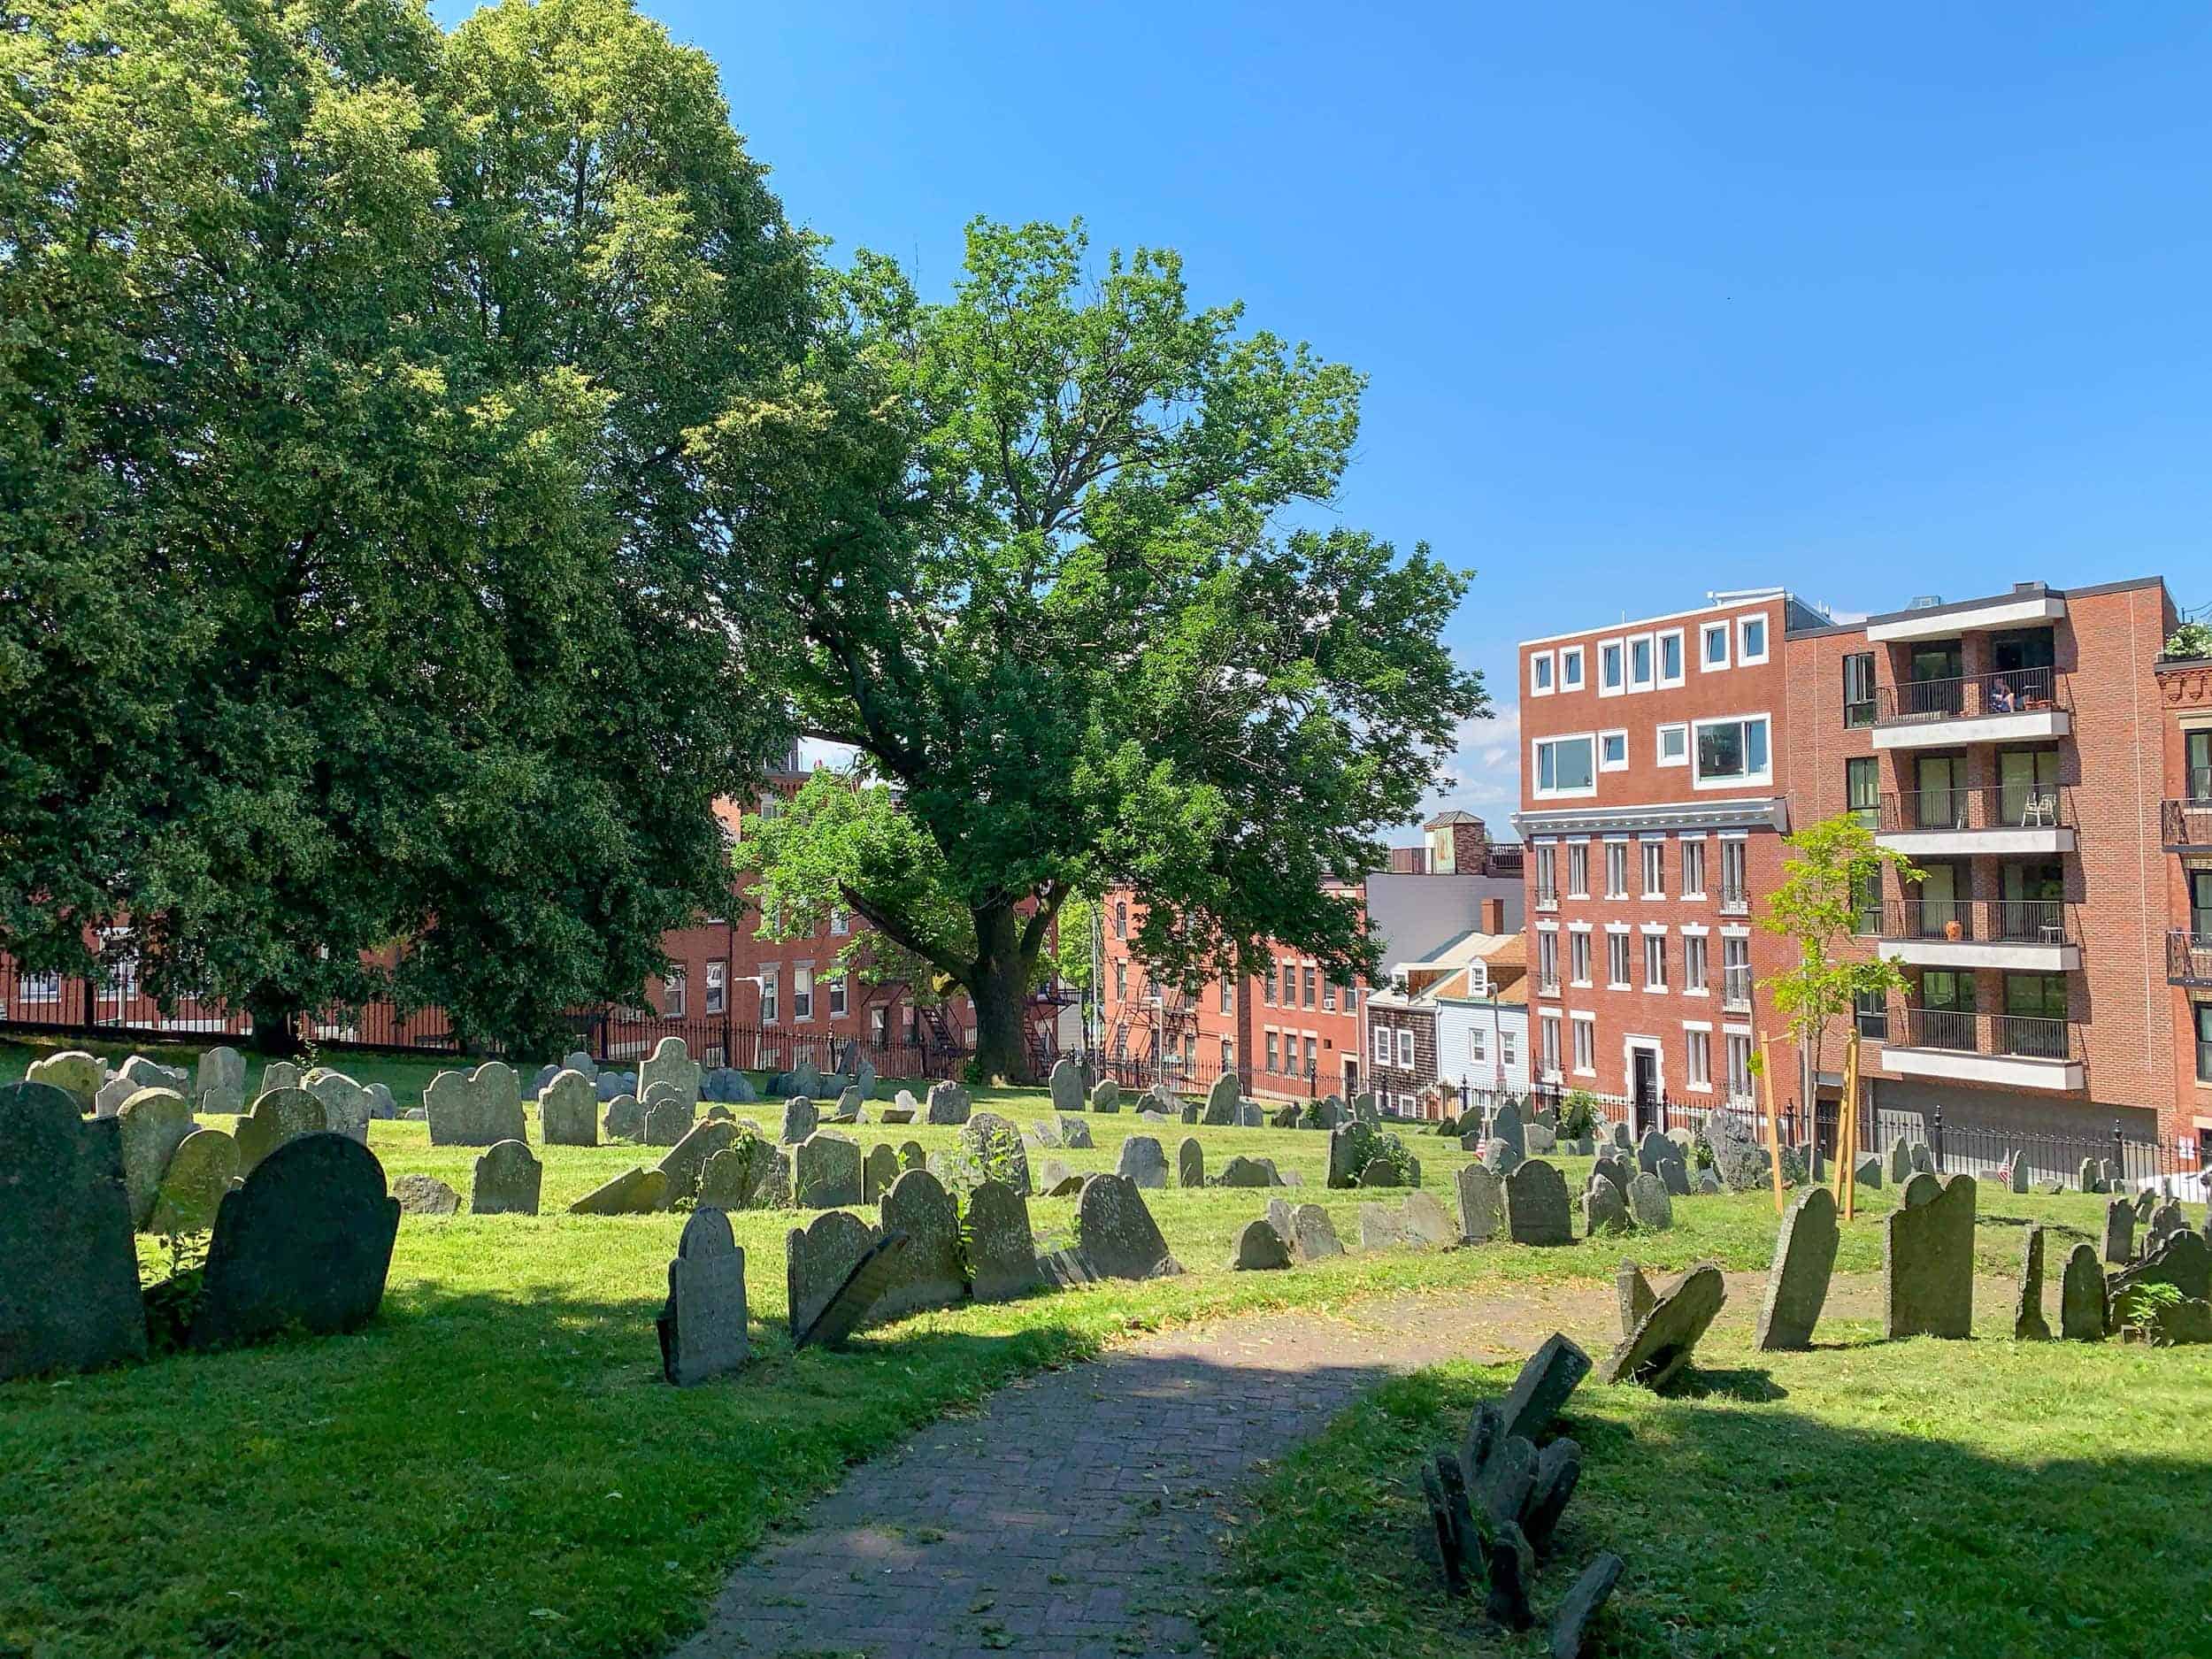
1869 1173
1741 1163
278 1115
686 1163
474 1109
2017 1171
1190 1162
109 1099
1075 1134
69 1298
610 1086
1381 1227
1142 1163
1537 1210
279 1074
670 1063
1259 1249
1656 1352
804 1078
1797 1283
1570 1625
2183 1260
826 1170
1622 1138
568 1110
703 1324
1651 1148
668 1118
858 1297
1923 1158
626 1118
1505 1125
1928 1260
1549 1377
947 1103
819 1258
1115 1233
508 1176
848 1107
927 1273
1604 1211
1066 1085
1633 1294
1901 1167
1481 1204
2083 1312
1306 1228
2028 1323
1054 1179
1499 1157
878 1171
800 1120
991 1149
73 1072
200 1172
1002 1253
424 1196
1379 1172
1248 1171
2087 1178
219 1084
150 1126
1221 1100
347 1106
1425 1222
2165 1220
1045 1136
1648 1203
635 1192
1106 1095
1351 1149
1616 1169
2119 1231
1674 1175
732 1178
1542 1138
305 1243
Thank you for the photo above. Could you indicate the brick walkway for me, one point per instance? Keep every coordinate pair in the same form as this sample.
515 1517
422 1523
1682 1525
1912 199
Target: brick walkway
1076 1514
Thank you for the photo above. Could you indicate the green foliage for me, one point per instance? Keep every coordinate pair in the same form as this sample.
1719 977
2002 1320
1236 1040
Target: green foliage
1577 1114
2148 1307
1041 588
2189 641
1817 905
1069 958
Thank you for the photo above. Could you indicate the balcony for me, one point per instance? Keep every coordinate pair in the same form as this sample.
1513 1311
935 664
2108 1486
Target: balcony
2009 818
2010 1050
1735 900
1548 898
1547 985
2189 955
1735 988
2027 935
2185 825
2015 705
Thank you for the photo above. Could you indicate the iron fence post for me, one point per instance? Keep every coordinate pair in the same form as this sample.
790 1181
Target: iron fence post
1935 1136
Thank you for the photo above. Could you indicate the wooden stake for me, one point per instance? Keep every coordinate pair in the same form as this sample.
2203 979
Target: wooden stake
1774 1120
1847 1129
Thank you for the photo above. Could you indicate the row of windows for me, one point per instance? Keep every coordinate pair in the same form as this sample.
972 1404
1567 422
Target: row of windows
1392 1046
675 993
1580 1047
1649 864
1726 752
1623 957
1291 986
1652 661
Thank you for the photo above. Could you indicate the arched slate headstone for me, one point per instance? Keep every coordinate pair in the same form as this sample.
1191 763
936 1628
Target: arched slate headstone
475 1109
1115 1233
1142 1162
1928 1260
150 1126
827 1167
278 1116
1066 1085
69 1298
306 1242
1537 1210
800 1120
568 1110
507 1178
686 1162
701 1324
1190 1162
1001 1252
199 1174
1481 1204
927 1272
1106 1095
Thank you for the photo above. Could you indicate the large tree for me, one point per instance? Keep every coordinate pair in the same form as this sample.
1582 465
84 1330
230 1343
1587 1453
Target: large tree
1047 591
359 633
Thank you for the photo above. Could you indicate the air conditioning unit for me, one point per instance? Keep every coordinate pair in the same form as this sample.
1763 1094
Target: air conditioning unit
1925 601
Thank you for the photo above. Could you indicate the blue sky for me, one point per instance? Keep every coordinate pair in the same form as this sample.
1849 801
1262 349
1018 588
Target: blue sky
1870 300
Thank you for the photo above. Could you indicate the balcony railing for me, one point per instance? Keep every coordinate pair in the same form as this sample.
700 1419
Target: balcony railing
1972 696
1985 921
2007 806
1735 987
1735 900
2189 954
2022 1036
1548 898
1547 985
2188 822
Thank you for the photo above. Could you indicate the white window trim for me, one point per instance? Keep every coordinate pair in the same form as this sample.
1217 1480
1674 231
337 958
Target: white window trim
1737 781
1659 659
1744 658
1405 1047
1620 646
1706 663
1659 743
1535 773
1696 930
1574 654
1550 676
1650 643
1643 867
1613 766
1664 985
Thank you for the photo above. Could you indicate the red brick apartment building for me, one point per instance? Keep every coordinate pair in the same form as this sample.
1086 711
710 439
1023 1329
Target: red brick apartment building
2025 750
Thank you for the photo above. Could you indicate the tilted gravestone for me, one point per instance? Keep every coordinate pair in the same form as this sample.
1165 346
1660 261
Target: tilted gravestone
1306 1228
73 1072
1066 1085
1115 1233
635 1192
1221 1100
1142 1163
854 1300
800 1120
1570 1625
1742 1164
424 1196
278 1115
1604 1211
1797 1283
1001 1252
2183 1260
947 1103
474 1109
1616 1169
927 1273
219 1084
817 1260
1537 1210
1928 1260
1106 1095
1075 1134
826 1169
2119 1231
347 1106
69 1298
1258 1248
306 1242
670 1063
2028 1323
568 1110
1499 1157
2083 1312
1547 1377
1633 1294
506 1182
1190 1162
150 1126
1656 1352
199 1174
1648 1203
877 1171
702 1325
1481 1204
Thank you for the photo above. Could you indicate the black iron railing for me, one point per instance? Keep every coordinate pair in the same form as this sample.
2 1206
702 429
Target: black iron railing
2007 806
2186 821
2189 955
2022 1036
1972 696
1983 921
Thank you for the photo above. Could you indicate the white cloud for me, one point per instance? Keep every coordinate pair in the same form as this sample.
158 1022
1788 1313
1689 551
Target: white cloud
1485 772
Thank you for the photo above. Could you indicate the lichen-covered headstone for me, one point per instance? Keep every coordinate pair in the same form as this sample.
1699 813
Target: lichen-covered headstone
1001 1251
1221 1100
277 1115
1928 1260
507 1181
1066 1085
927 1272
1674 1175
1142 1162
2028 1323
827 1168
424 1196
1075 1134
626 1118
1106 1095
1190 1162
305 1243
877 1171
1537 1210
568 1110
219 1083
1662 1342
703 1324
1743 1164
991 1149
347 1106
1604 1211
1115 1233
200 1172
475 1109
635 1192
1248 1171
1648 1203
73 1072
947 1103
69 1296
818 1258
668 1118
1481 1204
150 1126
800 1120
670 1063
1797 1283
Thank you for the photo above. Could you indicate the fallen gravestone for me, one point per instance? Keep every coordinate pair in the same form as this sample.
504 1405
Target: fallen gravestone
1045 1136
1002 1253
424 1196
1142 1162
1537 1210
1570 1625
856 1297
69 1298
1797 1283
686 1163
199 1174
1648 1203
1547 1377
703 1324
1657 1351
1481 1204
2084 1314
568 1110
1259 1249
305 1243
1928 1260
150 1126
826 1169
635 1192
278 1115
2028 1323
474 1109
1115 1233
508 1176
927 1273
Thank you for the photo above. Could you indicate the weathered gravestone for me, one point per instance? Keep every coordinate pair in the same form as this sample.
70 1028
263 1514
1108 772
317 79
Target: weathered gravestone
568 1110
279 1114
1381 1227
1425 1222
1221 1100
927 1272
1604 1211
1651 1148
947 1103
1075 1134
1617 1170
306 1242
1115 1233
634 1192
1656 1352
1002 1253
507 1181
1928 1259
2028 1323
1505 1125
1674 1175
1537 1208
1046 1136
474 1109
1066 1085
1306 1228
1923 1158
219 1084
1481 1204
2119 1231
1633 1294
1549 1377
668 1117
1054 1179
150 1126
1106 1095
877 1171
2084 1313
2166 1220
2183 1260
626 1118
69 1296
73 1072
800 1120
1741 1163
849 1110
1259 1247
991 1149
1797 1283
1379 1172
1248 1171
279 1074
424 1196
818 1259
347 1106
200 1172
701 1324
1190 1162
1901 1160
1142 1163
748 1173
825 1169
110 1095
1648 1203
1570 1625
670 1063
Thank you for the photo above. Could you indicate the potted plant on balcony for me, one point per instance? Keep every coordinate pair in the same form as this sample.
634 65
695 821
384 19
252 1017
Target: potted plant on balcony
1952 932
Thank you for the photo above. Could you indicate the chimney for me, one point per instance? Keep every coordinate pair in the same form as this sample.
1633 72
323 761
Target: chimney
1471 846
1494 915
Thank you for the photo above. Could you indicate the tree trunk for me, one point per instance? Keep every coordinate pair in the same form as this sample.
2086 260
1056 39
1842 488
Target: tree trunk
276 1015
1001 990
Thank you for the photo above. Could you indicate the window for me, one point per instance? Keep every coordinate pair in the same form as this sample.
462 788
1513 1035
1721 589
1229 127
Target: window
1570 668
672 995
1310 983
1547 875
1272 1065
1674 745
1700 1059
1548 1035
1228 1054
768 1012
1670 665
1735 885
1382 1045
1579 871
1866 903
1739 1065
1694 869
1121 919
1871 1010
879 1024
1714 646
1547 961
1290 985
1612 752
1121 979
1478 1046
717 987
1328 994
1405 1047
1267 987
1506 1047
803 991
1539 671
1565 765
1694 963
1608 668
1654 962
840 924
1228 995
1862 789
1616 869
1616 961
1578 955
837 997
1858 689
1640 659
1751 638
1732 751
1735 972
1654 869
1586 1047
2203 1011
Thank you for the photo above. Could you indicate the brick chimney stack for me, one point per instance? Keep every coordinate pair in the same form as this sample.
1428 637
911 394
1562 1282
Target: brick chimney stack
1494 915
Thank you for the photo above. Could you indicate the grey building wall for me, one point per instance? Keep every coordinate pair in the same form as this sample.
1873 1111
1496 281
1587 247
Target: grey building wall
1415 916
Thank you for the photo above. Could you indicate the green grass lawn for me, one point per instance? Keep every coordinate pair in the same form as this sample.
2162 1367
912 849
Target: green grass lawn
495 1466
